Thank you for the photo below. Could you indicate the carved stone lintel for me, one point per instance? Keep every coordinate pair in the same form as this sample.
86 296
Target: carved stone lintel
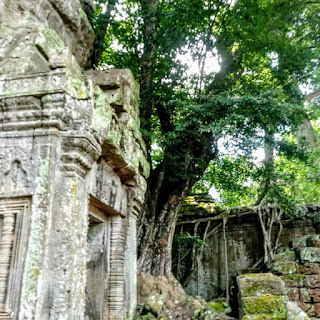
79 152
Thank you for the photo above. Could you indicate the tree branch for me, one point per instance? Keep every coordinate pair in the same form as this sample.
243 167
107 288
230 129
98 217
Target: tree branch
309 97
164 117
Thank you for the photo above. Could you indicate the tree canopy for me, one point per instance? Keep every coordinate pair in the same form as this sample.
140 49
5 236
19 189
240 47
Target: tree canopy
253 59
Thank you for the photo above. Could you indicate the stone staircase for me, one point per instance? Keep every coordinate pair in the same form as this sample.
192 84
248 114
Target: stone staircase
291 291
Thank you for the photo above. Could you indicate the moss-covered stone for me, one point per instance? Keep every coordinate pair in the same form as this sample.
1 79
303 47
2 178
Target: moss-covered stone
219 306
293 280
304 295
284 263
312 281
299 242
148 316
310 268
258 284
267 305
155 302
308 254
283 249
288 255
216 306
283 267
314 241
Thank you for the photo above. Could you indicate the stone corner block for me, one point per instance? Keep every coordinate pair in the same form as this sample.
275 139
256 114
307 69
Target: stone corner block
259 284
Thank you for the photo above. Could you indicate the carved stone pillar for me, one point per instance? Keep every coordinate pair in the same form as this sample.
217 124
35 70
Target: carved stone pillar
6 241
14 226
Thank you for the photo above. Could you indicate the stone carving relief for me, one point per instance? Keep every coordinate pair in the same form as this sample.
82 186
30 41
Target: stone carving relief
6 241
14 222
15 171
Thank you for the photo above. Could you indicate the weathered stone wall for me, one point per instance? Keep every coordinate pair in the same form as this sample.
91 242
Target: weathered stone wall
299 268
71 160
292 292
244 246
264 296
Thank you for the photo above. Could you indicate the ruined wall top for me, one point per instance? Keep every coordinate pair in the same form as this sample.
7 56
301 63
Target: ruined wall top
22 19
44 47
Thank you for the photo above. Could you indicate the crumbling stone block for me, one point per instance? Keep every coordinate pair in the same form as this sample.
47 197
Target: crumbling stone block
283 267
293 280
283 263
308 308
155 302
294 312
304 295
314 294
314 241
312 281
293 294
317 310
299 242
308 254
258 284
271 305
311 268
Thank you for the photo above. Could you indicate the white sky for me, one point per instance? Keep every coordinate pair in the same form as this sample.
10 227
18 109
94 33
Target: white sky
211 65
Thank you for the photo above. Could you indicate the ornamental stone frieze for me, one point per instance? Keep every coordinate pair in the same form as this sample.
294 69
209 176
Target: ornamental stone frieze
73 169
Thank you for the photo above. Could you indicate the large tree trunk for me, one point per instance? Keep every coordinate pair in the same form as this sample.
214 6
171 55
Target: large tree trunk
170 182
149 11
101 26
269 166
156 243
306 135
168 186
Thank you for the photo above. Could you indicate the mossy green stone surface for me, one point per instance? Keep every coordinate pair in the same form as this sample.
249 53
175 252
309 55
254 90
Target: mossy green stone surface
258 284
299 242
266 305
288 255
216 306
283 267
308 254
283 250
284 263
313 241
293 280
220 306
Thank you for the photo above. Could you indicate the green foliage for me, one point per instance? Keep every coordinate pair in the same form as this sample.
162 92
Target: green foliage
185 240
267 50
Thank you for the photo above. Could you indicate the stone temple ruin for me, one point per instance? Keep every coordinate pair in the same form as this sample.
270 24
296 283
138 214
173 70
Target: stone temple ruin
72 169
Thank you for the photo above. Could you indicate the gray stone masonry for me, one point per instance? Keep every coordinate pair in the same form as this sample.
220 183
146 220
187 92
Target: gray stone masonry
299 268
73 169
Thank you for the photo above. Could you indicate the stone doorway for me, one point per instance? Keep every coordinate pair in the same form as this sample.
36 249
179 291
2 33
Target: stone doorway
98 264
